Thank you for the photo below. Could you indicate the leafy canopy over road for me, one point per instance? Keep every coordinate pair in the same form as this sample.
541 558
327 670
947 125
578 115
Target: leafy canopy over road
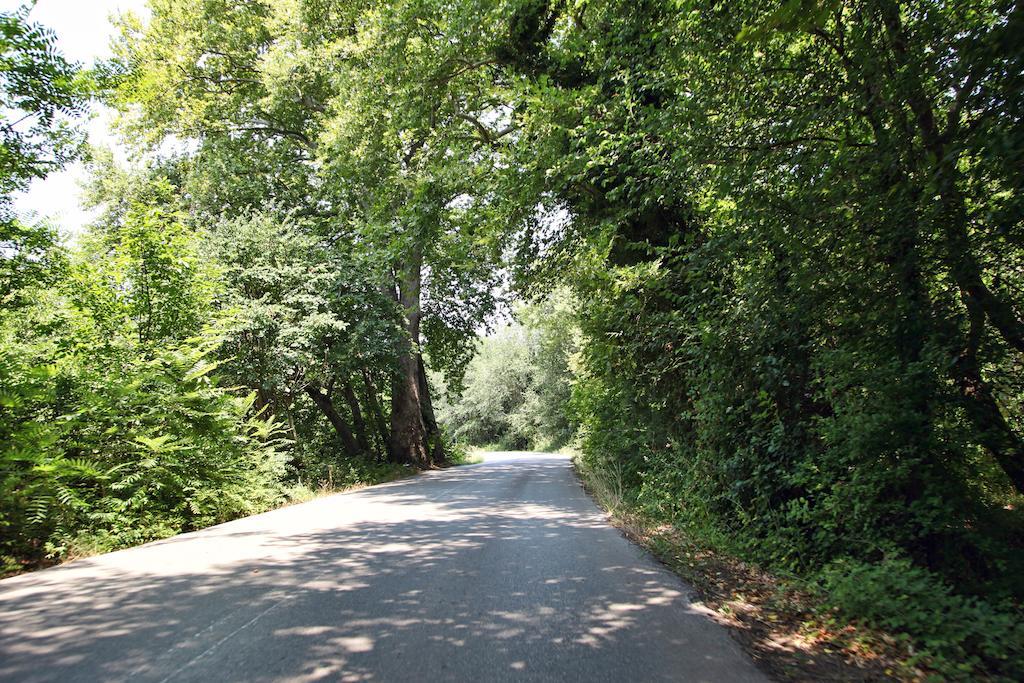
791 235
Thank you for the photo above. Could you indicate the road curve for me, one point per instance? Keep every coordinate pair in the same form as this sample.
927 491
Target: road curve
500 571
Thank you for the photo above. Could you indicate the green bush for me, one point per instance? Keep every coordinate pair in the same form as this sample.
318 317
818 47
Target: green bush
955 634
114 426
107 456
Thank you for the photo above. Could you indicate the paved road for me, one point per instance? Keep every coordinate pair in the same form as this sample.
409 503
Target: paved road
499 571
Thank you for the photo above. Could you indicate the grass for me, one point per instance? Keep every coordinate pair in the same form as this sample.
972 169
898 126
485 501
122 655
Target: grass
303 493
487 448
469 456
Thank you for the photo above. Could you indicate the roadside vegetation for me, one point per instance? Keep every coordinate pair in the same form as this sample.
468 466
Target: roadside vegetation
515 391
768 258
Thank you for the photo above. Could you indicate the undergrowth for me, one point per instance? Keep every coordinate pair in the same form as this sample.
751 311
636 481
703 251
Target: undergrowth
346 476
850 621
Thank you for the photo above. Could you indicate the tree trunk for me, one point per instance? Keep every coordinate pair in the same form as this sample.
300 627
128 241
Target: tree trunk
436 442
980 302
357 418
409 442
953 216
376 414
996 434
322 400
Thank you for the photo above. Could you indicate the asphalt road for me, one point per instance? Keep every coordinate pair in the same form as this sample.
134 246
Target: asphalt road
499 571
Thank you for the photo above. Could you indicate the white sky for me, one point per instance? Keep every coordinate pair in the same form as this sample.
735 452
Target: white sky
83 31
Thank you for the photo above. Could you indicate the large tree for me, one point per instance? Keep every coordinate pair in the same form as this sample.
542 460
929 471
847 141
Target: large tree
319 109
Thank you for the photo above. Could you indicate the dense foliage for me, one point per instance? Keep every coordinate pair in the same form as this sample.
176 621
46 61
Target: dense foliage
801 262
115 430
792 237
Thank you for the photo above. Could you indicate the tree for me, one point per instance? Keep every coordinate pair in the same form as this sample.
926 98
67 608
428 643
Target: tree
517 388
40 94
383 184
303 319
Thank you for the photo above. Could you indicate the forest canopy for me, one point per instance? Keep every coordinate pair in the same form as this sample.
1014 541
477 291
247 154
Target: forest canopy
773 255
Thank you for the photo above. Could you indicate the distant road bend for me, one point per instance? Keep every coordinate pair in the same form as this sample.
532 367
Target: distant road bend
499 571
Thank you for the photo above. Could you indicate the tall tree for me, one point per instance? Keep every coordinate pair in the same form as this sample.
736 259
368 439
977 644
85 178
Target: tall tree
320 74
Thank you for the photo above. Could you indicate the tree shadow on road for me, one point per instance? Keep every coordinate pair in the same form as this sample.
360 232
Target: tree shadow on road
453 585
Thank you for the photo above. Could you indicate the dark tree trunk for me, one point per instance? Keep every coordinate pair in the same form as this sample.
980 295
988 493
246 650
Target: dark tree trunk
980 302
408 443
357 418
376 413
322 400
297 463
995 433
436 442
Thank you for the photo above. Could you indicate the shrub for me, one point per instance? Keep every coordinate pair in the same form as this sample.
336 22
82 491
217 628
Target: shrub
954 634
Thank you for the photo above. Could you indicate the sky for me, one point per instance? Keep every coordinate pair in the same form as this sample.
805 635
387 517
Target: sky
83 31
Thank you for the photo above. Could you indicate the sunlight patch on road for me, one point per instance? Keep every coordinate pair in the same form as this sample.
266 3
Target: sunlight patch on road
355 643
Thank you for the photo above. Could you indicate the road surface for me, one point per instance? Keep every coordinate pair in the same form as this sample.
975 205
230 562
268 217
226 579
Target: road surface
500 571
